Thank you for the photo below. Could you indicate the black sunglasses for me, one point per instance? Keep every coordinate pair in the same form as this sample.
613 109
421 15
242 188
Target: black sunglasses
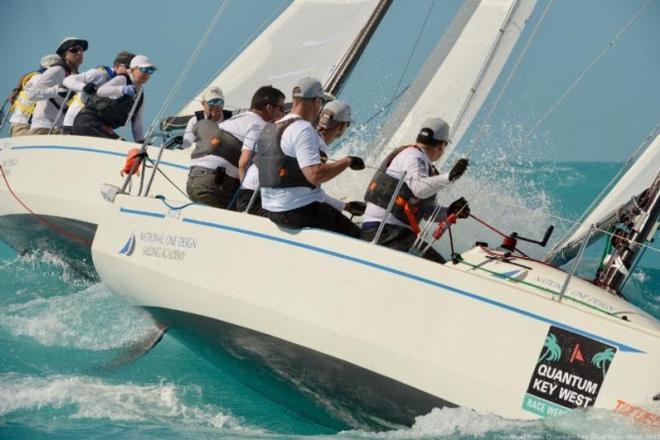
75 49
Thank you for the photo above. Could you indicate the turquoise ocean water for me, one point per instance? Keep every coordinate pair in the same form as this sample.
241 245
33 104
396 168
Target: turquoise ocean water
61 336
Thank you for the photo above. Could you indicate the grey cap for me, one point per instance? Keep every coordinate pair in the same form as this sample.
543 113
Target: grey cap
335 111
308 88
436 129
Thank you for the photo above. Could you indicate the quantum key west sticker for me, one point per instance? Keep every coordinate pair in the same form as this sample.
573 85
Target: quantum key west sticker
568 374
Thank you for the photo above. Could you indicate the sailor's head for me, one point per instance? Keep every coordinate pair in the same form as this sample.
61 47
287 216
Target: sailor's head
141 69
335 118
268 102
122 62
213 101
308 95
434 137
49 60
71 51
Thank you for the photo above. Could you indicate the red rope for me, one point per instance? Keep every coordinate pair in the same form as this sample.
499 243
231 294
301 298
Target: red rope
489 226
41 219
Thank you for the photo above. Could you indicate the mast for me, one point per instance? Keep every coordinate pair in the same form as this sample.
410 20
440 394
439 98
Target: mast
335 83
642 225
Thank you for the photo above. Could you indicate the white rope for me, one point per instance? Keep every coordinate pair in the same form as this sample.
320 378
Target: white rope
186 69
585 71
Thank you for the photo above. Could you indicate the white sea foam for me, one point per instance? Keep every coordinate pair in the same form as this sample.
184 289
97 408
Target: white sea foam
594 424
92 319
91 398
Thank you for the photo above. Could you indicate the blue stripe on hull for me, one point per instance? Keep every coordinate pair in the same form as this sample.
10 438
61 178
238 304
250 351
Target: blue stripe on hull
622 347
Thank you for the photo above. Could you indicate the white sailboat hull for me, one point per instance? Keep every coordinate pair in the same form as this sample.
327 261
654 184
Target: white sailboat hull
51 198
385 334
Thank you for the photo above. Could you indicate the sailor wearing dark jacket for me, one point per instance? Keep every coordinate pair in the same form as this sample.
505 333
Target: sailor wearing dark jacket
116 103
416 198
291 171
85 85
48 91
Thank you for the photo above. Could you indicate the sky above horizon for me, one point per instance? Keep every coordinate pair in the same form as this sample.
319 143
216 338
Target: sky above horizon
605 118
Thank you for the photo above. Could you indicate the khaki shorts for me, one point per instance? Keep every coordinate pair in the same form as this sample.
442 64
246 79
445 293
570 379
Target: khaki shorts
57 130
19 129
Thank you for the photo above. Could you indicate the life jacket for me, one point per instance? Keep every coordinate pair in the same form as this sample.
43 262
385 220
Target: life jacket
212 140
407 208
115 112
276 169
22 103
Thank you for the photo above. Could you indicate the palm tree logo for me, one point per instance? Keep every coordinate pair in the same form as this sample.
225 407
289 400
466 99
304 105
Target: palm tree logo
552 350
603 359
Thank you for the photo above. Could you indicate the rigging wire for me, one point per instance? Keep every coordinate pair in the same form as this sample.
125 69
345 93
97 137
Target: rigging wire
241 48
618 35
626 166
187 67
507 82
589 67
414 49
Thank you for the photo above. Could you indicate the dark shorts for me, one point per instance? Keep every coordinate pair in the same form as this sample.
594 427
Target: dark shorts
88 123
316 215
396 237
211 187
243 200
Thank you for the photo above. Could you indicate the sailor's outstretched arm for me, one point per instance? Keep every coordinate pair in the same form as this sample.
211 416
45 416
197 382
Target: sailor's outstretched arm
112 89
420 183
188 134
47 85
77 82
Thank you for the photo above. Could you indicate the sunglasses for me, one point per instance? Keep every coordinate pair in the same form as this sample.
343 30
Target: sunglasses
149 70
75 49
216 102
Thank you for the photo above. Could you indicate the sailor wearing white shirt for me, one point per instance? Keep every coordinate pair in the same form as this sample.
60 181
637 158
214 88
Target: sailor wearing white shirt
21 107
290 169
86 83
416 199
213 101
113 105
48 89
334 120
267 105
214 177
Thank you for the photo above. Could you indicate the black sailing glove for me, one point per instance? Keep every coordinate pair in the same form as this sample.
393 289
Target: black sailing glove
356 207
459 207
458 169
356 163
90 88
62 91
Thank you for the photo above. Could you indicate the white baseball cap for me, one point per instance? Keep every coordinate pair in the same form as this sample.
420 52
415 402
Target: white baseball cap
141 61
213 92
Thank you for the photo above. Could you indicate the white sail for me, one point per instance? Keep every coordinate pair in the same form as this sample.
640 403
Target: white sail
308 39
461 70
639 177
